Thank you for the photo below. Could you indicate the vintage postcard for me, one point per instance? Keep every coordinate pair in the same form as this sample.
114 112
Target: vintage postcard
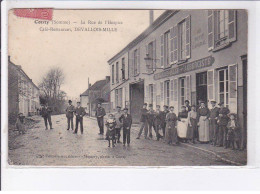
127 87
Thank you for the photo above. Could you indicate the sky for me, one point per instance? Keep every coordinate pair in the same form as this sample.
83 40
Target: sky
80 54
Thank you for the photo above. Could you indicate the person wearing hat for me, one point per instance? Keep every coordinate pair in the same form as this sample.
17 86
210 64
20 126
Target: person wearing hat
126 120
118 126
143 120
69 114
182 124
158 122
100 113
150 120
192 124
46 114
213 125
203 115
20 123
187 106
222 122
171 136
233 136
163 118
80 113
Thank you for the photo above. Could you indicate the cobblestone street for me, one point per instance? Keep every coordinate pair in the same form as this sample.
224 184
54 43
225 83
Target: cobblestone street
61 147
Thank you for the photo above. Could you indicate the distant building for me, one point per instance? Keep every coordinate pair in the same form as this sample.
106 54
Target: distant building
23 94
98 92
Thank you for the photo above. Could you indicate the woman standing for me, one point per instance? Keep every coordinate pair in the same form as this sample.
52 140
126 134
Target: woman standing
171 119
203 115
182 125
192 120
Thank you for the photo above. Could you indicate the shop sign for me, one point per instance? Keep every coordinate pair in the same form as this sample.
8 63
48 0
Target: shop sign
198 64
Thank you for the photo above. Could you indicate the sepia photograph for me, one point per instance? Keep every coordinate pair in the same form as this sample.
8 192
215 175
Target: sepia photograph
127 87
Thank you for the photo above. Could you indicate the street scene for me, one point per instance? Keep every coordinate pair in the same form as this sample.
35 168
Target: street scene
92 90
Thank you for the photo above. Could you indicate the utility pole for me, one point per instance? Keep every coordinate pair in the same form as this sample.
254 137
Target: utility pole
88 99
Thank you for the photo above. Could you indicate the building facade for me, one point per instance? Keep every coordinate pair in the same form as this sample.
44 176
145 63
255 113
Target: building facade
193 55
23 94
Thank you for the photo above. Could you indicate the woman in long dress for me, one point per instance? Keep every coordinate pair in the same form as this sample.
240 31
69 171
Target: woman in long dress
192 127
182 125
171 131
203 115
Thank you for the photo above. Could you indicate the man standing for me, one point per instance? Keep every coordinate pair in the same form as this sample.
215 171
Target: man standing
118 114
222 122
158 122
150 120
126 119
46 114
213 125
163 118
69 114
187 106
80 113
143 121
100 113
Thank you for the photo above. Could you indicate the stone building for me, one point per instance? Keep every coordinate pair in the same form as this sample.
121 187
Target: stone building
23 94
185 55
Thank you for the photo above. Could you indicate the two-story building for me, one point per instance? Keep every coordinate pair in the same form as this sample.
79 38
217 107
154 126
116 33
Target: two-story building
23 94
185 55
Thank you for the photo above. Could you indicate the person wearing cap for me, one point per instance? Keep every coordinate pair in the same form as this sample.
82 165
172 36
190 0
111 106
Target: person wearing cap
150 120
192 124
163 118
100 113
126 120
203 115
222 122
20 123
143 120
213 125
46 114
79 113
69 114
182 124
187 106
233 136
171 136
118 126
158 122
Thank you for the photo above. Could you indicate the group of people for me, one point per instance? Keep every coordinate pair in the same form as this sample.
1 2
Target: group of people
216 126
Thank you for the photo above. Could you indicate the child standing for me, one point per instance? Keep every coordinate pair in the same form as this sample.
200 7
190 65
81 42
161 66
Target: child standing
111 123
20 123
233 135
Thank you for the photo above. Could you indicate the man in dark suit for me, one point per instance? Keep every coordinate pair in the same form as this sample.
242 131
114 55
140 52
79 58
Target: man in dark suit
69 114
213 125
222 123
100 113
163 118
126 120
46 114
143 120
150 120
80 113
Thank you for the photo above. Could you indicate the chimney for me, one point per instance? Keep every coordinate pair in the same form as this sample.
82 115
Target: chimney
151 16
107 79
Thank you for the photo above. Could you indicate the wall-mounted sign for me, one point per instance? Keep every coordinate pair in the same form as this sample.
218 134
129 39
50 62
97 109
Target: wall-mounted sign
199 64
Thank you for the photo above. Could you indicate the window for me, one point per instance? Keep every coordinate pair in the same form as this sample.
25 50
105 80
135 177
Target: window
151 92
113 74
167 92
135 62
182 91
167 49
182 40
222 24
117 73
118 97
123 69
223 86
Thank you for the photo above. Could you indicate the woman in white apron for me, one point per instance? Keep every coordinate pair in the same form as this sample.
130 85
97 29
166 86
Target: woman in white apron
203 114
182 125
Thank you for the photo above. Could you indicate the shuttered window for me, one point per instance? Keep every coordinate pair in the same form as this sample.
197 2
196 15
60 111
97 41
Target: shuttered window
210 30
162 50
210 82
161 86
188 88
113 74
233 88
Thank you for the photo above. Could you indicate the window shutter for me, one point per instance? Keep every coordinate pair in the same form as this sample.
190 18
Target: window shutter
131 64
161 91
211 90
162 53
175 89
112 99
188 88
126 68
210 30
175 44
188 36
148 70
154 54
154 96
146 94
232 69
123 97
171 91
138 61
215 27
232 25
171 40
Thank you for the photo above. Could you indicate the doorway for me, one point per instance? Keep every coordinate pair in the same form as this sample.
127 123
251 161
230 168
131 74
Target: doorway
136 100
202 87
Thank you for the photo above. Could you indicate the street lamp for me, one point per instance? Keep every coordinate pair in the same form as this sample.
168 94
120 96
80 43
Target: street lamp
151 63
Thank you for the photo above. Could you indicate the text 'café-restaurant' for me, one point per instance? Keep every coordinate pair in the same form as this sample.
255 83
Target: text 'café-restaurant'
184 55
